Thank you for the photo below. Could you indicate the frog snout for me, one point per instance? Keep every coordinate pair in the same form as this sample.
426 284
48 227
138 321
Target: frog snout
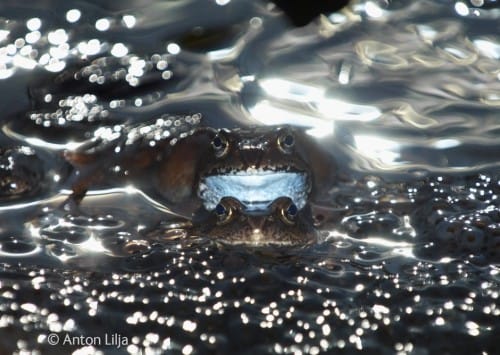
251 158
256 222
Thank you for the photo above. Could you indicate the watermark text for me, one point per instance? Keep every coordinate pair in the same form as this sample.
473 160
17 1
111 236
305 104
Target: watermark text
114 340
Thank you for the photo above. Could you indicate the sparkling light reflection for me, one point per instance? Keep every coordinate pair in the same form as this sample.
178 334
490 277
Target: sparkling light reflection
225 53
374 10
173 48
91 47
23 62
461 8
73 15
4 34
37 142
33 37
381 149
50 49
267 113
6 73
19 206
34 251
488 48
375 240
57 37
289 90
321 110
129 21
340 110
93 245
102 24
127 190
446 143
34 24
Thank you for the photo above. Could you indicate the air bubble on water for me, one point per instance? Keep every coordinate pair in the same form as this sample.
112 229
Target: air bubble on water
17 246
69 234
60 251
136 246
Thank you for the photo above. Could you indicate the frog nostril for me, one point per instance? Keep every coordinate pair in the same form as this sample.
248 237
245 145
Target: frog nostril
256 223
251 158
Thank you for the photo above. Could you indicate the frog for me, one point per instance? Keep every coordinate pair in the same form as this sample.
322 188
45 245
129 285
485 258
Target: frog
231 223
256 165
21 173
281 223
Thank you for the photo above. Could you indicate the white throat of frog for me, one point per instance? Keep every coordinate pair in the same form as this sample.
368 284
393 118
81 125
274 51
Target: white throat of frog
255 189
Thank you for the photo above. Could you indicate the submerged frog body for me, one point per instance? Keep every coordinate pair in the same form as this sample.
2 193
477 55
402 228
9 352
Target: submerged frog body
280 224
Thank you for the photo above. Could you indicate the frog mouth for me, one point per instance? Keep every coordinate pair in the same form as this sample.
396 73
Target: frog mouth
254 188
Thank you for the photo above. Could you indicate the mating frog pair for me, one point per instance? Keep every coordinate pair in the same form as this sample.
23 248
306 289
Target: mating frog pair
249 186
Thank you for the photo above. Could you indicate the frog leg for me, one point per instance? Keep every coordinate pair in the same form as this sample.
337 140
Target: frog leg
82 179
178 172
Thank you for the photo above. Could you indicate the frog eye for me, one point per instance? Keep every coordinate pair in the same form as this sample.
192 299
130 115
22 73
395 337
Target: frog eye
223 213
220 145
286 141
289 213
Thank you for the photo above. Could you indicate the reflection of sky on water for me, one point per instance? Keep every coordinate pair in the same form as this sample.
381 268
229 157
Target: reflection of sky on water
428 63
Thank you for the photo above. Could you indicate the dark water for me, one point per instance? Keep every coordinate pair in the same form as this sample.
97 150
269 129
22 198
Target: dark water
406 98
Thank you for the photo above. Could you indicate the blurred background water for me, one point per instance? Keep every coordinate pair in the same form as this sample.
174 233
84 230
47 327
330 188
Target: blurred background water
405 95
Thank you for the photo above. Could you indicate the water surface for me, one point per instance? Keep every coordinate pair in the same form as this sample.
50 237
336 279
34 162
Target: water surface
404 96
